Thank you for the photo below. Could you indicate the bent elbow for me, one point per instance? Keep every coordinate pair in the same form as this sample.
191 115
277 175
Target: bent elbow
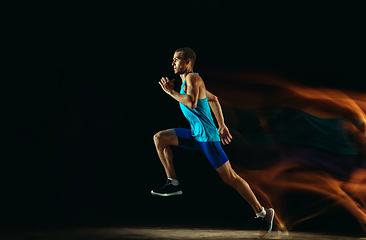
214 98
192 105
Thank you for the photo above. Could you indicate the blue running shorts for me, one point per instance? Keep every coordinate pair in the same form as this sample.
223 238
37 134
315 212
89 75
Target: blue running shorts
212 150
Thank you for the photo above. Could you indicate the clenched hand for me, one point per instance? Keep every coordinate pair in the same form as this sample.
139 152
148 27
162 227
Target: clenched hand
167 85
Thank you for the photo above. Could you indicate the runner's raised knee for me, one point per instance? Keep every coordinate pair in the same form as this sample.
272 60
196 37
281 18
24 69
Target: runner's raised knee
164 138
157 138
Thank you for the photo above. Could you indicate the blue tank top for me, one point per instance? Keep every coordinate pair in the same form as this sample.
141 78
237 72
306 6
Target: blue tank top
203 128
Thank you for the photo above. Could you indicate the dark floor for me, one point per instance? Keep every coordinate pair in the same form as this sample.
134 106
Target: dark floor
119 233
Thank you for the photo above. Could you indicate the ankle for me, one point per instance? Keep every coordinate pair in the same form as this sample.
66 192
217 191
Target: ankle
175 182
261 214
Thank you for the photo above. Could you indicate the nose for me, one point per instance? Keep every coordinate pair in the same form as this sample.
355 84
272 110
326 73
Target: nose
173 63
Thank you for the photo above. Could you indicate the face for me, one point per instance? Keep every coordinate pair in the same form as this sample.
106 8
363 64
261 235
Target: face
179 64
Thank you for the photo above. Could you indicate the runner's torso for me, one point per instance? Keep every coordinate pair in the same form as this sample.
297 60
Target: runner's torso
203 128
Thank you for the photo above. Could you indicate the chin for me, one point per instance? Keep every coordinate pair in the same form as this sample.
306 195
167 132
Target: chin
176 71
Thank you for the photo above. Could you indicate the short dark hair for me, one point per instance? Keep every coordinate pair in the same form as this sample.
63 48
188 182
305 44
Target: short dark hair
187 53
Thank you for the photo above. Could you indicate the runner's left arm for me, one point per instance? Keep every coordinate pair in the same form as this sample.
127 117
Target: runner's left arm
216 109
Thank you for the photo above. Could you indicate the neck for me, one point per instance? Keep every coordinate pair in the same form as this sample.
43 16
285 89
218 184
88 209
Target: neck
183 75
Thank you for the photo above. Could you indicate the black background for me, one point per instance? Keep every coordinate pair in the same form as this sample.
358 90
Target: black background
82 103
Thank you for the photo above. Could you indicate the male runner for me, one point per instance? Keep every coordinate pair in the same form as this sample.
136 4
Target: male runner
195 102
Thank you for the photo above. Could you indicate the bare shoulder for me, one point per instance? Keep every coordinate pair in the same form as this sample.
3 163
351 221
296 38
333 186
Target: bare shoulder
194 79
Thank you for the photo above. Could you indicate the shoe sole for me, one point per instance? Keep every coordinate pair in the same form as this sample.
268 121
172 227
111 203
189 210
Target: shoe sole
167 194
270 229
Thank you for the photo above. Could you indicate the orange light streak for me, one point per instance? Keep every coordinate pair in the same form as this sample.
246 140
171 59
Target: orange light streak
271 185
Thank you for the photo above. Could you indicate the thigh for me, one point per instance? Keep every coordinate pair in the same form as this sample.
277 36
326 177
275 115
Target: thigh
168 137
214 153
185 139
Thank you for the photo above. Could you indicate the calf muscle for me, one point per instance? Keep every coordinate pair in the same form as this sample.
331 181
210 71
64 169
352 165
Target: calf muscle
230 177
163 140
